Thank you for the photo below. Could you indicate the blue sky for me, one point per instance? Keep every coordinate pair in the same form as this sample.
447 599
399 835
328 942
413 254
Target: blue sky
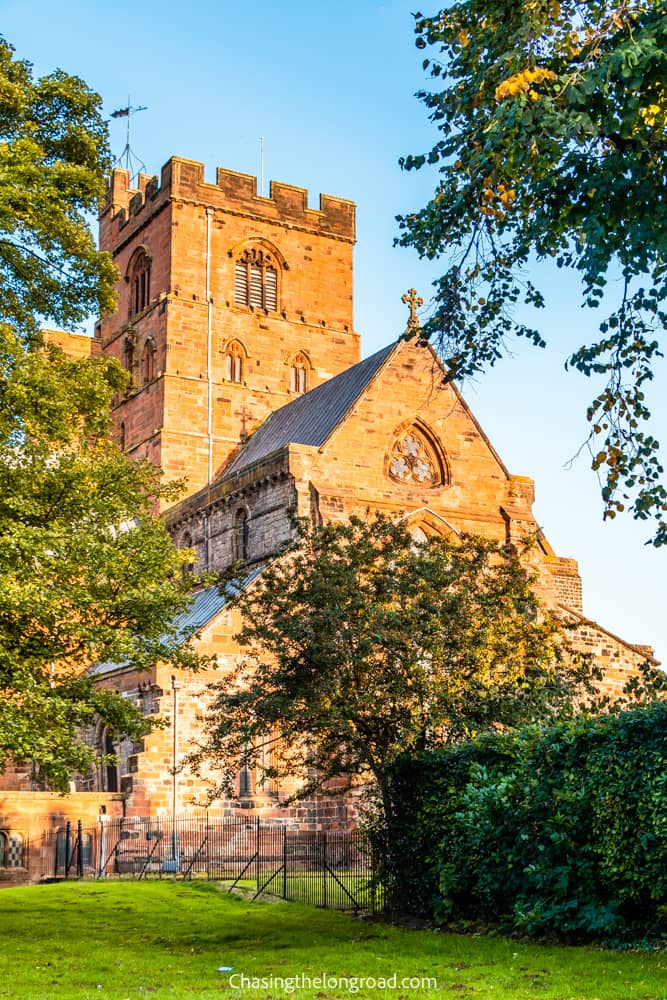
331 88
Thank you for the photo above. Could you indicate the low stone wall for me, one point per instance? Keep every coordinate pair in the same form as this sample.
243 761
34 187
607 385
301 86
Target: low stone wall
26 817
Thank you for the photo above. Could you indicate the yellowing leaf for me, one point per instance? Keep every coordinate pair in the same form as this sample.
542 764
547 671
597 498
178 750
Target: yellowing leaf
521 83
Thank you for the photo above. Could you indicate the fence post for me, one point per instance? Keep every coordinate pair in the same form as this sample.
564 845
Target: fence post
79 849
102 819
284 862
68 839
258 869
324 869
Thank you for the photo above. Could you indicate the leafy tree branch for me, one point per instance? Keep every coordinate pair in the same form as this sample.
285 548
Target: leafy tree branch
54 159
553 124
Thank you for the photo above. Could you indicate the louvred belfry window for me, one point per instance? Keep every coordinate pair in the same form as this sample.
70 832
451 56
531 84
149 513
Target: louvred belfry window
256 280
413 460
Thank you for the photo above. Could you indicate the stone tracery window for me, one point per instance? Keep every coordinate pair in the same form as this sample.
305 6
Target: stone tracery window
256 280
234 356
413 460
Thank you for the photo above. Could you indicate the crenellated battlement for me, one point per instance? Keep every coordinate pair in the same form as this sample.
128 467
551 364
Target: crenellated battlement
232 192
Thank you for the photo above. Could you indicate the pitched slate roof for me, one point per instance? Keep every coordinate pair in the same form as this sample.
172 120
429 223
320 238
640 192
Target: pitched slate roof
207 603
310 418
204 607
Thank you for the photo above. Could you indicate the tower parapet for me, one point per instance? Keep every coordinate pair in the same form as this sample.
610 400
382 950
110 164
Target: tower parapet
183 180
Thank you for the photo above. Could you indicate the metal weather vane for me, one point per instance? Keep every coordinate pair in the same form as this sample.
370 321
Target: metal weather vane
128 158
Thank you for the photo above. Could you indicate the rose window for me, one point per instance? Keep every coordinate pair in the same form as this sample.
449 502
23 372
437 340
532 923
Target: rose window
413 461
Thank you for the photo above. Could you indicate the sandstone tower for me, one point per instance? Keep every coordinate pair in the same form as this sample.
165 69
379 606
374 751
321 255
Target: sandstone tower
230 304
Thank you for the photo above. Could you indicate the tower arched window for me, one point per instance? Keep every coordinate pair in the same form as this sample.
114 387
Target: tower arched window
234 357
140 283
298 377
148 362
256 279
128 353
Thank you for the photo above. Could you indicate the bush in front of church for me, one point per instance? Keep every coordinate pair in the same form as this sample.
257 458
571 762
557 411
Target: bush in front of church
558 831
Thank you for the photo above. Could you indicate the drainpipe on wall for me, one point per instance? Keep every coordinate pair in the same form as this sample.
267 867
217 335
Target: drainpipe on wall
209 348
175 856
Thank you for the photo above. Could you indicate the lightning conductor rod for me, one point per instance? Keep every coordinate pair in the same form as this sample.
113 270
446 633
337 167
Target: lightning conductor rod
261 165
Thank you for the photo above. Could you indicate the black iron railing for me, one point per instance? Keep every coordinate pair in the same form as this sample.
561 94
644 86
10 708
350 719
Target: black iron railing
332 869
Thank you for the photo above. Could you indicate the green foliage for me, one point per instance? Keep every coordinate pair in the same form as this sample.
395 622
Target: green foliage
88 572
557 831
553 122
365 645
53 162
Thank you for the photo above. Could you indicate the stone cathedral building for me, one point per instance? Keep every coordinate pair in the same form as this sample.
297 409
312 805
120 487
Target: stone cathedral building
235 322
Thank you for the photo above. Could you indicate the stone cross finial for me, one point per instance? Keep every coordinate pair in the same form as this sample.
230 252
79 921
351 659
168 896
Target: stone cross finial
414 301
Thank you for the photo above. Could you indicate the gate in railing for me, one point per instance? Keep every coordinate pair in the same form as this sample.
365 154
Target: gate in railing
332 869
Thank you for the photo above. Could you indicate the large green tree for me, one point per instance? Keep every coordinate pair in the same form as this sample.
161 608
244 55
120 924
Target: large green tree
553 144
88 572
364 645
53 163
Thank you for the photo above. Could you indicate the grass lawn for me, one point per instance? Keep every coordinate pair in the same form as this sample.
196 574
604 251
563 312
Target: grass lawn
120 940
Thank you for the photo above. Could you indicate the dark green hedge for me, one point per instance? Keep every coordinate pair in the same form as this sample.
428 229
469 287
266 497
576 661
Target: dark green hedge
548 831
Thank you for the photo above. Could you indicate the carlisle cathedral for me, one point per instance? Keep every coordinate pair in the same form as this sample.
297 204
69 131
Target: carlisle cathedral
235 324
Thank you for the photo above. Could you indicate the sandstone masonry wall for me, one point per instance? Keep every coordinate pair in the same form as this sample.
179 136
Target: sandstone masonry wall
193 233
